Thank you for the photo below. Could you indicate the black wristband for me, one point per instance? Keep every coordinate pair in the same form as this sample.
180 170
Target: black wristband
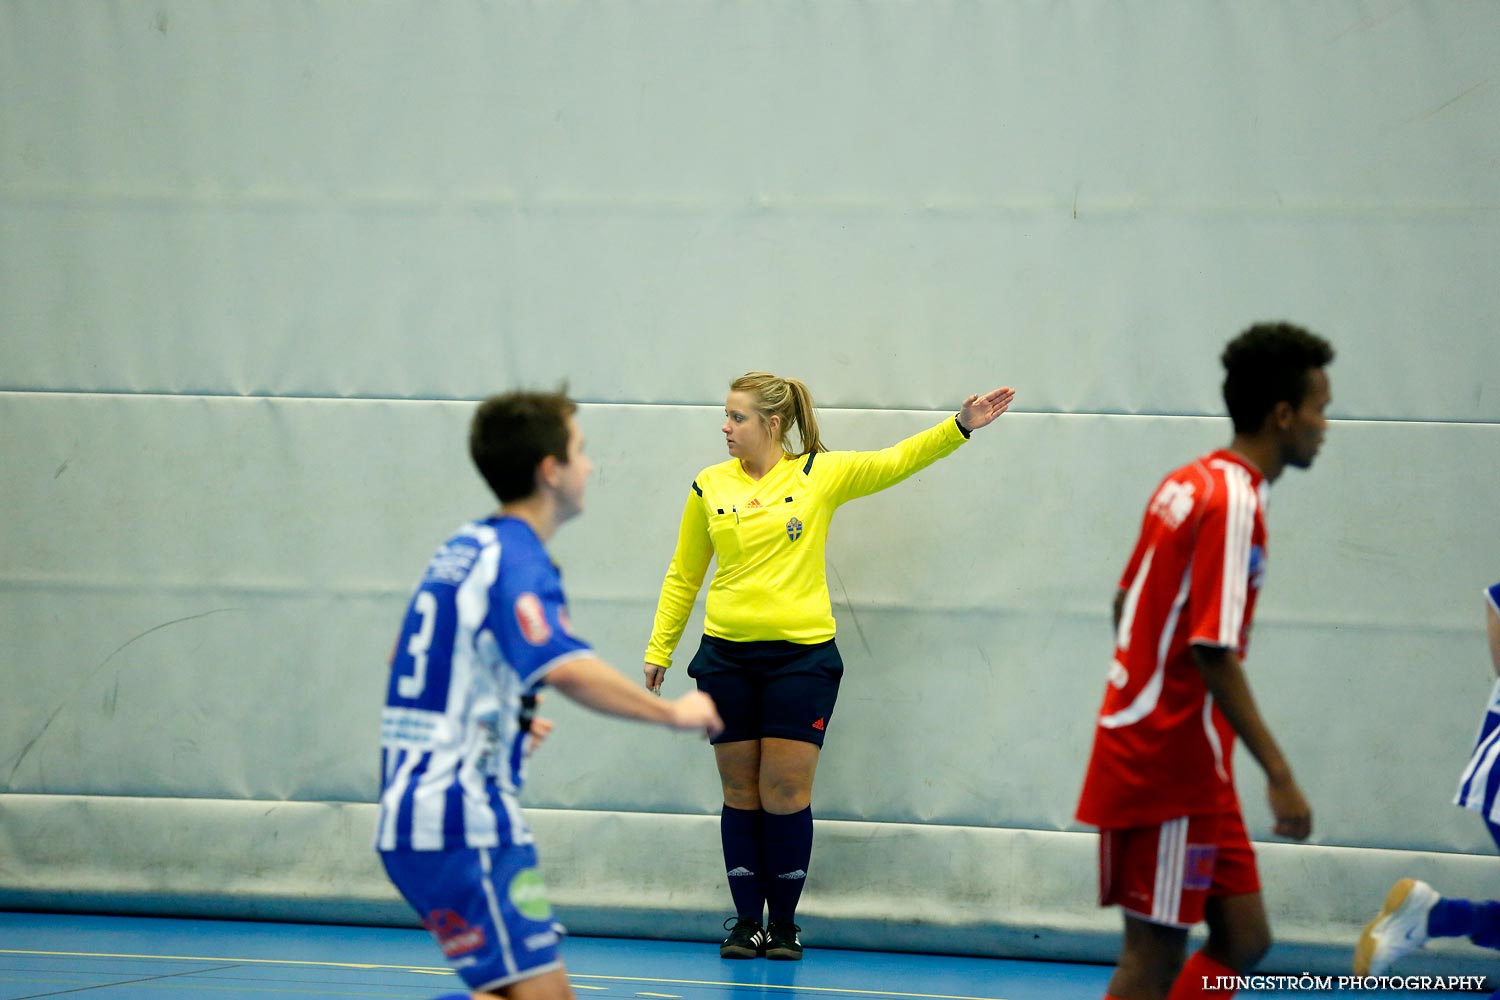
961 428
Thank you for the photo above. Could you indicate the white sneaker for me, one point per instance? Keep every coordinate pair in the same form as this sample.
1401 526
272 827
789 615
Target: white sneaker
1398 929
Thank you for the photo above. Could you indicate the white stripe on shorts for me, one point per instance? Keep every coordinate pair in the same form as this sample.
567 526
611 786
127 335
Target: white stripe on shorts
507 953
1171 850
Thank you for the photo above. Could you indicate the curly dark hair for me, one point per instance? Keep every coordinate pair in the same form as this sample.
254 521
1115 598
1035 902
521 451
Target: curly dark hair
1268 364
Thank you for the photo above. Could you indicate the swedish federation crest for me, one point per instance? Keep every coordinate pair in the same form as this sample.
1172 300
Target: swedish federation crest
794 529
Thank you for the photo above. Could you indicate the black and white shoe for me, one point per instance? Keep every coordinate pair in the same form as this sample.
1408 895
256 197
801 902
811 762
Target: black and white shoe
747 939
782 942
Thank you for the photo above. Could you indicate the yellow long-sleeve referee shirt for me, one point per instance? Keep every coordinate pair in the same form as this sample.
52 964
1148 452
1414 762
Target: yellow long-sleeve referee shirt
769 536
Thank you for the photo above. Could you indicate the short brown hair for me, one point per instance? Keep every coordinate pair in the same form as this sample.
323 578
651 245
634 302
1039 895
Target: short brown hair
510 435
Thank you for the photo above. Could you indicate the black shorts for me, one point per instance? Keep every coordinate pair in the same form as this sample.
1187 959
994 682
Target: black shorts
770 688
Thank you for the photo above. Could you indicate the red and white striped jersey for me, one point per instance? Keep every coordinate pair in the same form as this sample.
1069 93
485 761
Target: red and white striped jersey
1162 748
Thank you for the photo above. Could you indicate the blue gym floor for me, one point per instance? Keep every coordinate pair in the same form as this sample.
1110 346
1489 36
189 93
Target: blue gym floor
136 958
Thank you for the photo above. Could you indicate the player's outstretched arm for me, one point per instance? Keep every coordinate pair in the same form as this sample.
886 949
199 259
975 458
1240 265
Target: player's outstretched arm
1225 680
981 411
595 684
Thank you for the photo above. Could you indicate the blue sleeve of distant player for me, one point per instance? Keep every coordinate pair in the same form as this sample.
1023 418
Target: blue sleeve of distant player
1494 597
529 616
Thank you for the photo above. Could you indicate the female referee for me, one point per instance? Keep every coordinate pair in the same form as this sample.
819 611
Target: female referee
768 657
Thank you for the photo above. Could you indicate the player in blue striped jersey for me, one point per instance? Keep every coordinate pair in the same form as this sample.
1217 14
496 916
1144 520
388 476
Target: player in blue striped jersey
488 626
1414 911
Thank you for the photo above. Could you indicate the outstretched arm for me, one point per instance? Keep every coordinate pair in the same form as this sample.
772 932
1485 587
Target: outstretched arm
851 474
595 684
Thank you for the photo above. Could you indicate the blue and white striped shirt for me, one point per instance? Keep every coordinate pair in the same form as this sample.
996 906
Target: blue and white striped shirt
486 624
1479 786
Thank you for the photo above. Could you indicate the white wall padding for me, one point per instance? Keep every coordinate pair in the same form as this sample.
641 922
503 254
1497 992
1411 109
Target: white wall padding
200 595
432 198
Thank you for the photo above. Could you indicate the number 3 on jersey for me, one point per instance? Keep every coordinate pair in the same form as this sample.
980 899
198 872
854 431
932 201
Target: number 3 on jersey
411 685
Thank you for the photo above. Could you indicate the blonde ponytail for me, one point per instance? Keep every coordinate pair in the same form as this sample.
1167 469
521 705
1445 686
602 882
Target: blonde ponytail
787 398
805 418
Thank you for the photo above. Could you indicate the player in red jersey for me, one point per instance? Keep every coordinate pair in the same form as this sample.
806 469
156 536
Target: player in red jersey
1172 846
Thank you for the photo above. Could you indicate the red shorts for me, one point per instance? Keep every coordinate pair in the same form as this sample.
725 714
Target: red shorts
1165 873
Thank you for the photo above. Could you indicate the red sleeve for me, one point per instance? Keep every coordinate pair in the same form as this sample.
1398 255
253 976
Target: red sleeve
1220 587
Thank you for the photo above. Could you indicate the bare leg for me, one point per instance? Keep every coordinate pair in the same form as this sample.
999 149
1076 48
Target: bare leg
739 773
787 768
1150 959
1238 933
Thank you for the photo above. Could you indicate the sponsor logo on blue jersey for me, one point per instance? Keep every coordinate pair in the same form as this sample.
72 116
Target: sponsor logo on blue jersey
455 936
453 562
528 894
794 529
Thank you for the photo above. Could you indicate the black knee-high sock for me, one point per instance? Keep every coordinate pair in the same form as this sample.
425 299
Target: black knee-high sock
786 851
741 832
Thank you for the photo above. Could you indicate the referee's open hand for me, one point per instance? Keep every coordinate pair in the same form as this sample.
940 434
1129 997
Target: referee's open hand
981 411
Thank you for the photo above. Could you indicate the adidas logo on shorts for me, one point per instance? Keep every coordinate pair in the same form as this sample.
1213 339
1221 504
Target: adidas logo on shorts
740 872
